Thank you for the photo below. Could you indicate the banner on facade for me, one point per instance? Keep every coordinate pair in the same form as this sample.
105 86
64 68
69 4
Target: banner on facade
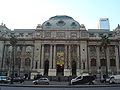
60 58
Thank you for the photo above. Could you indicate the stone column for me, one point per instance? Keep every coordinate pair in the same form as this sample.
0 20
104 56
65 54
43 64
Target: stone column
42 57
23 57
89 59
98 58
78 60
78 56
67 69
117 58
54 58
108 59
69 57
52 70
51 59
3 64
66 63
40 54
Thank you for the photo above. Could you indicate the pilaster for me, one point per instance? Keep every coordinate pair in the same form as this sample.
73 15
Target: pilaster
42 57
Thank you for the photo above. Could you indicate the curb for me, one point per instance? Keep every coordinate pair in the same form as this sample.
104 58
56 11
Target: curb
60 86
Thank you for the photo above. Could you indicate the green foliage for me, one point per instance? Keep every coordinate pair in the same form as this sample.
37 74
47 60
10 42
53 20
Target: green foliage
105 41
13 39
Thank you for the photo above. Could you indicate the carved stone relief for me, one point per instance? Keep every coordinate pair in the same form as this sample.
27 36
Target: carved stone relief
60 34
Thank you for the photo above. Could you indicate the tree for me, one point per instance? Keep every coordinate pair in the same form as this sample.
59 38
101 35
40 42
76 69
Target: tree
13 41
104 45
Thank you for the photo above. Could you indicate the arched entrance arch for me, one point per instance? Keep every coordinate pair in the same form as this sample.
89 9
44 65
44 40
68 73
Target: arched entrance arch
46 67
60 56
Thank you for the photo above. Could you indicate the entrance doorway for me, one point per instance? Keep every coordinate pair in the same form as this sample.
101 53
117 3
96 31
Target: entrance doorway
73 68
46 67
60 70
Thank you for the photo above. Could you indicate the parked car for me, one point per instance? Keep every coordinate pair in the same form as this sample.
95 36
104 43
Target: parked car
41 81
105 80
4 79
17 79
88 79
114 79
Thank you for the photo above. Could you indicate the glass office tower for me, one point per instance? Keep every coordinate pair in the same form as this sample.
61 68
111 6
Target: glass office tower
104 23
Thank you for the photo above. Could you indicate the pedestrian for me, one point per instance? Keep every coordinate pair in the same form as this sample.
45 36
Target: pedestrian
11 81
21 80
59 79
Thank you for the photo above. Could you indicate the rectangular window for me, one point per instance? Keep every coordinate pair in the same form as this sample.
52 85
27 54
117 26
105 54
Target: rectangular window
83 65
112 62
36 65
93 62
103 62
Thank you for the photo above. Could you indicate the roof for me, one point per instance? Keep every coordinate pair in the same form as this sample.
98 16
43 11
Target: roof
24 30
61 22
3 27
99 30
118 27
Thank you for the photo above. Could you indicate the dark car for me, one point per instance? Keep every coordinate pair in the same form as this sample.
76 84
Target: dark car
4 79
88 79
17 79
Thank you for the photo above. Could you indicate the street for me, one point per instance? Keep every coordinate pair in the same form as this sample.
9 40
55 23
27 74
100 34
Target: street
34 88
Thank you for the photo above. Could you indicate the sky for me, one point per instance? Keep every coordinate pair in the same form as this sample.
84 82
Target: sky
27 14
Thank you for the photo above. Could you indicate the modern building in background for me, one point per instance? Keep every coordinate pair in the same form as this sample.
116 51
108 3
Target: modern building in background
104 23
59 47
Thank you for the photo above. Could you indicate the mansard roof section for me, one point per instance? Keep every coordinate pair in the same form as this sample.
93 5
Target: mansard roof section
24 30
24 33
97 33
98 30
62 22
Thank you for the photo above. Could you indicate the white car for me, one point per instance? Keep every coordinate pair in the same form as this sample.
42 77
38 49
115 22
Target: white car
4 79
114 79
41 81
83 80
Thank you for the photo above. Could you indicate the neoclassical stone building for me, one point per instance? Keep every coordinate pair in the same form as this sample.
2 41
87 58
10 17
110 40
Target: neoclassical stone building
60 46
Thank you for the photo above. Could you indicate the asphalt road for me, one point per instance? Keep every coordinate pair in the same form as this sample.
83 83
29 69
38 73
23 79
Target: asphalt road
31 88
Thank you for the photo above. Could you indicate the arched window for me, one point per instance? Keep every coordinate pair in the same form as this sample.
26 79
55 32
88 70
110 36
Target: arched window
19 49
28 49
61 23
73 24
18 62
47 24
10 49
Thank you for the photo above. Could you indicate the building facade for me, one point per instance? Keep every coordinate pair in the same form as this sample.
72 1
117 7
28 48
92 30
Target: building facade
59 47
